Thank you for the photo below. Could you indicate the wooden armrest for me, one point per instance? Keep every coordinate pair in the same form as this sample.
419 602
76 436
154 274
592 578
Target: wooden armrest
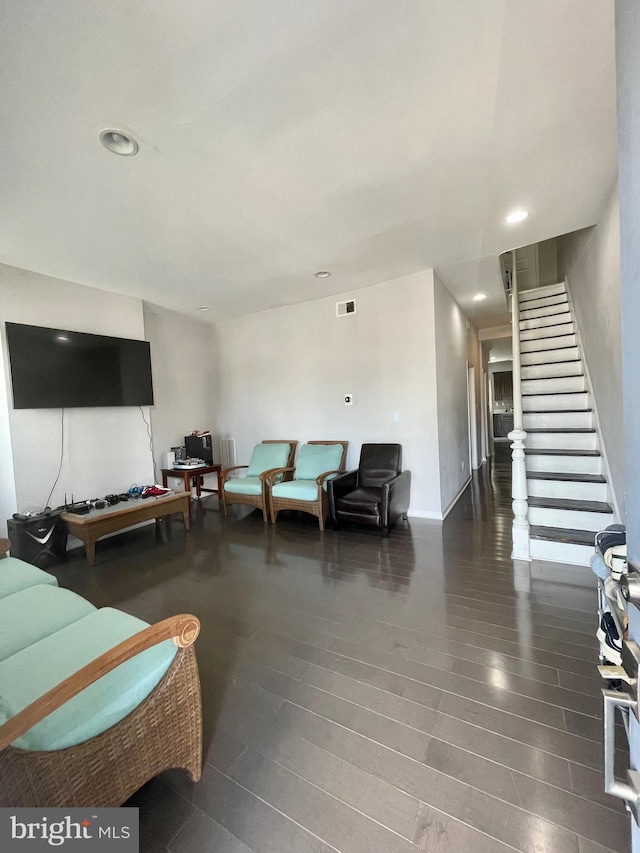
320 480
273 472
183 630
5 545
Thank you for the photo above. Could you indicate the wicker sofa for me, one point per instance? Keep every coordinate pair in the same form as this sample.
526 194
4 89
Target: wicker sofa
93 702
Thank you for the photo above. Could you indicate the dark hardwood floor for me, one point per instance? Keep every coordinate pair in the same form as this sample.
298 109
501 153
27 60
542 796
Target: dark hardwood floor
364 695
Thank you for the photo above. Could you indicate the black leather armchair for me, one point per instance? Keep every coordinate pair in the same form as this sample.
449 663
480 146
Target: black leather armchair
376 494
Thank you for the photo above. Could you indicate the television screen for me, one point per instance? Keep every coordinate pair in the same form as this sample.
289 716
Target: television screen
58 369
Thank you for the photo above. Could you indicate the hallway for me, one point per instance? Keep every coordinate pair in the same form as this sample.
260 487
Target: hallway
374 696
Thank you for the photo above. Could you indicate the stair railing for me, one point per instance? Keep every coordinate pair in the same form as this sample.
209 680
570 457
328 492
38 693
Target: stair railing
520 505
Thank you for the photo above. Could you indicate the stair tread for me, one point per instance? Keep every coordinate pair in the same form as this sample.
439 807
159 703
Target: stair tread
542 451
556 411
546 337
549 393
560 534
556 314
561 429
543 308
546 378
543 317
547 349
570 477
547 363
575 505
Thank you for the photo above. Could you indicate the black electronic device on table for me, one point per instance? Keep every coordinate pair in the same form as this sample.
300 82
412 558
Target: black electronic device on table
76 507
200 447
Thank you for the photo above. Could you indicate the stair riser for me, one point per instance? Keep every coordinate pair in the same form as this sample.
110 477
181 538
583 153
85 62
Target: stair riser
551 385
546 402
542 292
562 440
561 420
561 342
546 371
561 552
555 306
569 519
567 489
565 464
549 356
545 322
547 333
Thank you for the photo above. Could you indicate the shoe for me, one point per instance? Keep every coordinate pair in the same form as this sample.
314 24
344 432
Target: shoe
616 559
610 642
155 491
606 539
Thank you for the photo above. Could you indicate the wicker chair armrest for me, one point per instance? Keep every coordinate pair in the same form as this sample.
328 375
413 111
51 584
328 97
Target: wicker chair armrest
266 474
183 630
272 473
320 480
225 473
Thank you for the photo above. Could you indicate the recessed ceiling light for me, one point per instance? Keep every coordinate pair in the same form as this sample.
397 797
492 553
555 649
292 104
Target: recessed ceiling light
62 338
479 297
322 274
203 308
119 142
517 216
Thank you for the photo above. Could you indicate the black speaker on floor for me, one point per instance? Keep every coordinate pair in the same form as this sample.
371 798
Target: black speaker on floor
40 540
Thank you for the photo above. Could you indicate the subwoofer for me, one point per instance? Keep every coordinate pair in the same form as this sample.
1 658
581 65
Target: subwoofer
41 540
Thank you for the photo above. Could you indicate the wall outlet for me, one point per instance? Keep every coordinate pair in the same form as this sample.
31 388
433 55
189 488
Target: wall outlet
348 399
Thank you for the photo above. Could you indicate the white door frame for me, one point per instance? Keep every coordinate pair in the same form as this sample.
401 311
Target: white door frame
472 418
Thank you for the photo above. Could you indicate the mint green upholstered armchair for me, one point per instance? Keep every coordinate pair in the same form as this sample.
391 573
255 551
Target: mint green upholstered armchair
317 462
252 489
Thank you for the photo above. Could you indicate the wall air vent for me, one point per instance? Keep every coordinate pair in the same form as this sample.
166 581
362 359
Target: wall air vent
228 454
345 308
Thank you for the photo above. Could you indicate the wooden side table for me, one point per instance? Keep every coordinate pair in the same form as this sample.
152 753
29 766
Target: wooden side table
194 476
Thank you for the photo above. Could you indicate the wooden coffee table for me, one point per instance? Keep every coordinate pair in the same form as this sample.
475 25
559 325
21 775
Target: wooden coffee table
97 523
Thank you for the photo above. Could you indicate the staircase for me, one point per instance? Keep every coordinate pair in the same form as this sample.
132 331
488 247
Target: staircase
564 467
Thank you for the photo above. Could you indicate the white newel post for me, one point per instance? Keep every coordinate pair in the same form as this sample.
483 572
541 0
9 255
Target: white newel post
520 527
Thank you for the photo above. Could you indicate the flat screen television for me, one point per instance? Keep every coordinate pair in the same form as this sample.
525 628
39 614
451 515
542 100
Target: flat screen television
59 369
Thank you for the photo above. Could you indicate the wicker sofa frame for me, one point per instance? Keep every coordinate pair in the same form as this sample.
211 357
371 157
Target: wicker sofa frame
260 501
318 507
164 731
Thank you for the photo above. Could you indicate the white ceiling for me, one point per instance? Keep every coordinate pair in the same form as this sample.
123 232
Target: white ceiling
368 137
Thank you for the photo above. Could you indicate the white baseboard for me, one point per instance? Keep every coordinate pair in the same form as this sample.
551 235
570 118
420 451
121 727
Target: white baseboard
456 498
438 516
424 513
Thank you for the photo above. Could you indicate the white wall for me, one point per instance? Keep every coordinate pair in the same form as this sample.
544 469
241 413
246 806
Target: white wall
590 260
284 374
105 449
185 383
547 262
628 80
451 380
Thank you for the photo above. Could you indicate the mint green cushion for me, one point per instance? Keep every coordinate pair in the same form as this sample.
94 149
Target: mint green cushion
16 575
33 671
297 490
31 614
266 456
315 459
244 486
